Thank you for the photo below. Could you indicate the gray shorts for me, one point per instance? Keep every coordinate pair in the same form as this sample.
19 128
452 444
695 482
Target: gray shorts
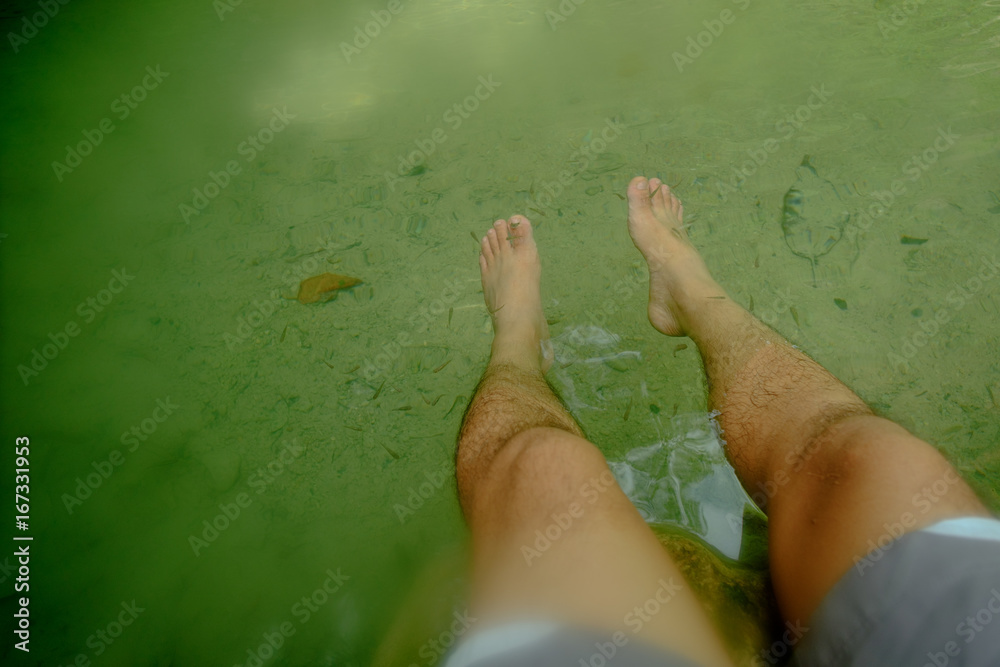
550 644
928 599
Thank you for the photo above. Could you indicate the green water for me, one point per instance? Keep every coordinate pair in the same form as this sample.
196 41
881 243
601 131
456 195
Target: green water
348 401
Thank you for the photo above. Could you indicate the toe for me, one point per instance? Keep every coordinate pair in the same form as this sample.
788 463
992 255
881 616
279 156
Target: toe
520 228
670 201
502 233
491 237
487 250
661 199
482 264
638 194
675 205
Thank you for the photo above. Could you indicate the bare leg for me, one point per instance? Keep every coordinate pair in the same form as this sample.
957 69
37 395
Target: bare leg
829 473
513 395
524 470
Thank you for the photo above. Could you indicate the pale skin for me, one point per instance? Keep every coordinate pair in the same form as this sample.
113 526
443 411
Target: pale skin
828 472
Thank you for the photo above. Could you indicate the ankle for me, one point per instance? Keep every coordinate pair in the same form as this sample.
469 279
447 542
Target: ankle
693 294
515 358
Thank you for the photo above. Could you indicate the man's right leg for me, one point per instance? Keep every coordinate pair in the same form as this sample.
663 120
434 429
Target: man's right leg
833 477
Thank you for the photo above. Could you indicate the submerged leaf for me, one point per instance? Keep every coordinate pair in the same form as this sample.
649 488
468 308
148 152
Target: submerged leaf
813 217
323 287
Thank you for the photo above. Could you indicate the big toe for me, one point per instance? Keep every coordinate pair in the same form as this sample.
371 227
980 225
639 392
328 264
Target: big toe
520 230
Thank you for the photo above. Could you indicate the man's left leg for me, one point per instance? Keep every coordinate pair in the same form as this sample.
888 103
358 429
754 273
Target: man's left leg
553 534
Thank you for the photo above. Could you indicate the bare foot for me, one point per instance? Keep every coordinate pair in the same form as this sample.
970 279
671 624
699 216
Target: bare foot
678 277
512 274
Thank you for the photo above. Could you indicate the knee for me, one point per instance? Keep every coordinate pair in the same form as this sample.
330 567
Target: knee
867 449
546 466
546 453
838 441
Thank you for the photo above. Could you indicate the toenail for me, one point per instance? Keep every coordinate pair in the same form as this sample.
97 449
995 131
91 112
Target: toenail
643 185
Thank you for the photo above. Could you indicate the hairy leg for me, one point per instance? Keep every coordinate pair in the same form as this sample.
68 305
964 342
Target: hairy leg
510 399
832 476
513 395
553 534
